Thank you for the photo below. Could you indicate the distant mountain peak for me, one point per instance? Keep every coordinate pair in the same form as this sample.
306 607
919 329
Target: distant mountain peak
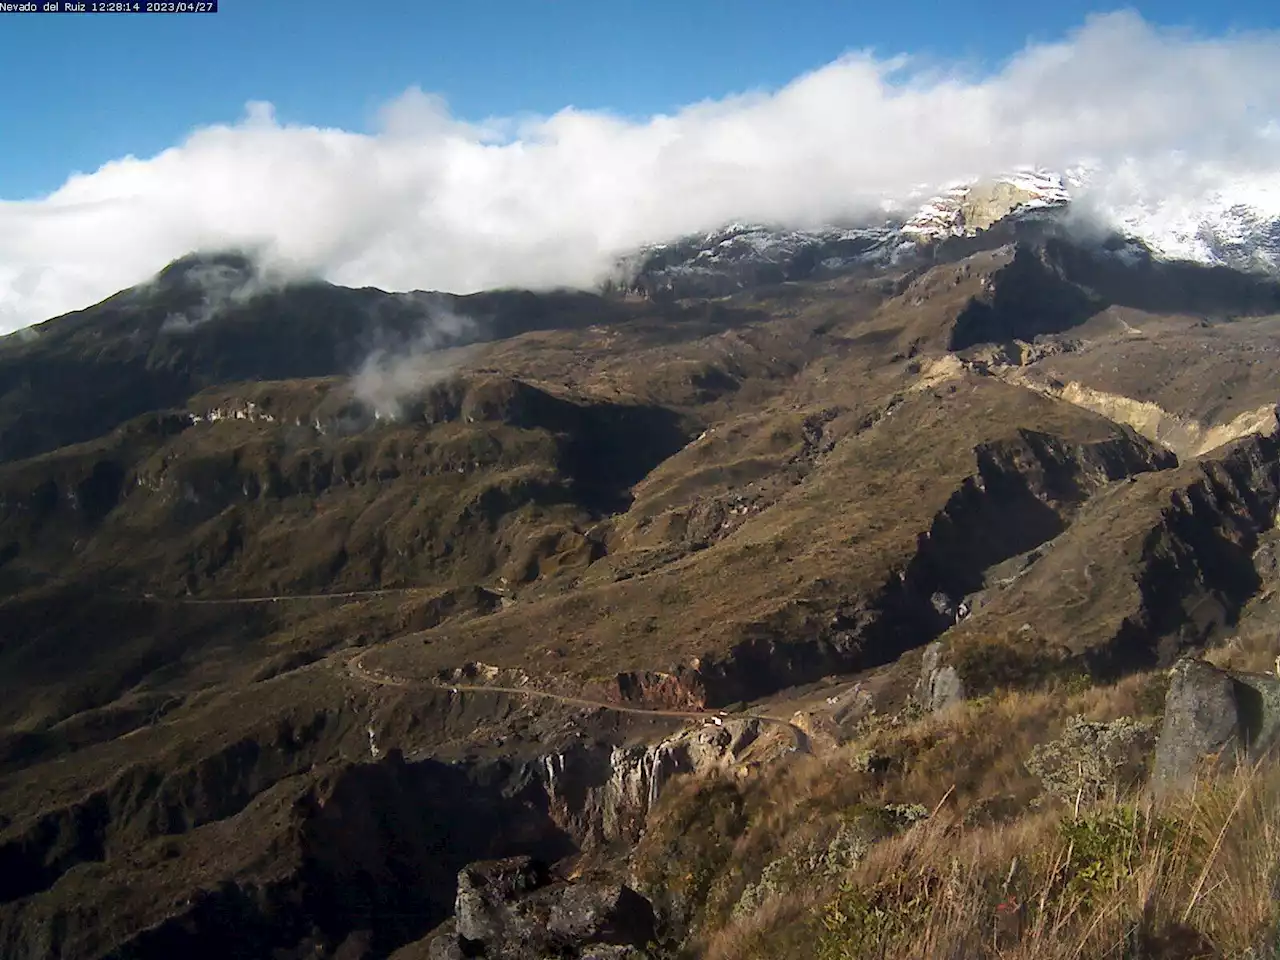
201 285
966 209
229 266
1237 227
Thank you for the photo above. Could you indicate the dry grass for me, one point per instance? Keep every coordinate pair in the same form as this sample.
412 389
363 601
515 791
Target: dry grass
1127 878
1253 649
976 751
1193 879
778 928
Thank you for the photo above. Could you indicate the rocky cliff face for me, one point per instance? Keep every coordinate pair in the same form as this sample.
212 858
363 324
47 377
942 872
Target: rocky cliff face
1199 570
1184 436
511 909
971 208
1186 539
1023 493
369 851
600 798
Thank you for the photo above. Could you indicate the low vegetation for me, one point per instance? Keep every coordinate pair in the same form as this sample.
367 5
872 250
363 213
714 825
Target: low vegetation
1016 826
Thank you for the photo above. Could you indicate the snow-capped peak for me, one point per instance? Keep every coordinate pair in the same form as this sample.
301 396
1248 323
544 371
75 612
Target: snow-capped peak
1236 224
1235 221
966 208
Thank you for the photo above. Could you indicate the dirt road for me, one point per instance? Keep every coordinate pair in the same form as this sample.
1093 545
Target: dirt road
357 670
283 598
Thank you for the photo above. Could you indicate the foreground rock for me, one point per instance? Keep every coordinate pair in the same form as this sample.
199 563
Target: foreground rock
1212 713
510 910
939 686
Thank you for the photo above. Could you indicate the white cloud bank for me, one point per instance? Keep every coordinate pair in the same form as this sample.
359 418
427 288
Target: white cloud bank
431 202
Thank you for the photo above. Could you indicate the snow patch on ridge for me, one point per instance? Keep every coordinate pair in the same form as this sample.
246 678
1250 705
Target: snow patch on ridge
1210 218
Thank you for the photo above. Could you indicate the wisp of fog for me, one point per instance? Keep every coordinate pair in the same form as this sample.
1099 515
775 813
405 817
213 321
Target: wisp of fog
391 374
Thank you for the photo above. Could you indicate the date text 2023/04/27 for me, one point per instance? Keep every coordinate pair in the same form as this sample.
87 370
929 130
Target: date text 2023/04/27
109 6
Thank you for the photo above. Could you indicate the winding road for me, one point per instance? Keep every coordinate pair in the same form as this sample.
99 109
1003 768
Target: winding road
357 670
282 598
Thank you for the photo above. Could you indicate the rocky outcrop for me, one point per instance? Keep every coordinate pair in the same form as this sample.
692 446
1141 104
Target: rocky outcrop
1022 300
510 910
484 910
939 685
1151 572
1214 714
1185 437
1197 570
608 913
682 689
972 208
602 797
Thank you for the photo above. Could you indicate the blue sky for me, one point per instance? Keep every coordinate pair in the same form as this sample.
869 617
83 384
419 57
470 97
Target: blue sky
356 176
96 88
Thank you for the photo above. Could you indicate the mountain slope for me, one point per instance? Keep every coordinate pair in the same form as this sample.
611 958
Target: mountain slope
277 560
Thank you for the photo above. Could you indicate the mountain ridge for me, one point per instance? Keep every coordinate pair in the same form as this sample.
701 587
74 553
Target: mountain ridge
295 583
1219 231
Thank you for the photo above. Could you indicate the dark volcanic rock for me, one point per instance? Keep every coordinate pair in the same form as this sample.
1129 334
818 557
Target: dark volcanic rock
487 890
602 913
509 909
1052 286
1027 298
1212 713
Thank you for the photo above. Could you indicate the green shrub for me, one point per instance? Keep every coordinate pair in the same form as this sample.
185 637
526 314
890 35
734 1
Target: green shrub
863 923
1092 758
1104 848
1009 662
1150 697
860 827
1074 684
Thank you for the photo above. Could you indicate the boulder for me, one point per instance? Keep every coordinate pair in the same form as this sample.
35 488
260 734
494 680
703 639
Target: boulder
610 951
602 913
444 946
1266 560
486 908
441 944
510 910
1213 713
939 686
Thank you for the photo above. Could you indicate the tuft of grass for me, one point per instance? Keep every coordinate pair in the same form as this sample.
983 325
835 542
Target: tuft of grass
1106 874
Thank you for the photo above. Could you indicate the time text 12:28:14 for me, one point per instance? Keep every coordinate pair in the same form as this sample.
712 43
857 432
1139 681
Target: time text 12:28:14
109 6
